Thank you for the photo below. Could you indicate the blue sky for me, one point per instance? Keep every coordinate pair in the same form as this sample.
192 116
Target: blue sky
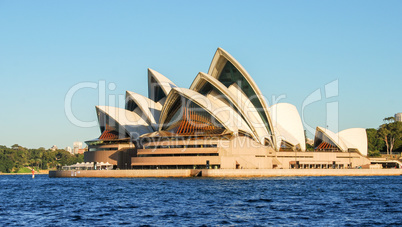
290 48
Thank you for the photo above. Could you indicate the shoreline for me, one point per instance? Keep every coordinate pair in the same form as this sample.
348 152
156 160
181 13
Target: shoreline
229 173
23 174
42 172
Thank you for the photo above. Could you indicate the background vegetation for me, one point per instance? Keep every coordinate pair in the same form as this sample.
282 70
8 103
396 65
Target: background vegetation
17 159
387 139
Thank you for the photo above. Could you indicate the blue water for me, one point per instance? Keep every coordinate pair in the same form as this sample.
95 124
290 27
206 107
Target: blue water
200 201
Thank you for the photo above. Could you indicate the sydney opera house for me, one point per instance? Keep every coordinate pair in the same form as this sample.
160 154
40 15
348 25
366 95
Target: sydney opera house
221 121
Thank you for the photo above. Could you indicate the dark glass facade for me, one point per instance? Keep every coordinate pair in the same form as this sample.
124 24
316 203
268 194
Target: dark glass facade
131 105
157 93
230 75
208 87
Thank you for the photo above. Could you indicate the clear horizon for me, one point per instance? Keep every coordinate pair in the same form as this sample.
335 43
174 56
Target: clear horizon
291 49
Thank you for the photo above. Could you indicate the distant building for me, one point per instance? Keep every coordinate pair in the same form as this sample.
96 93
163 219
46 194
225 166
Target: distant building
398 117
76 146
82 150
53 148
69 149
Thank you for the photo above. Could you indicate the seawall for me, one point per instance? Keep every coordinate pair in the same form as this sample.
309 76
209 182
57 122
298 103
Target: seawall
226 173
122 173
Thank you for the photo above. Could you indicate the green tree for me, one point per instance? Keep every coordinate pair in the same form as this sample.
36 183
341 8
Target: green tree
6 165
32 162
309 147
38 162
390 132
375 153
15 147
17 157
374 142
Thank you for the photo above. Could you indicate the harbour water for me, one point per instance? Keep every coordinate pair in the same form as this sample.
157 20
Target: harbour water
362 201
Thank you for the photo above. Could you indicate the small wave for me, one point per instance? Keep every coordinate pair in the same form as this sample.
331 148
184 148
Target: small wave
76 217
259 200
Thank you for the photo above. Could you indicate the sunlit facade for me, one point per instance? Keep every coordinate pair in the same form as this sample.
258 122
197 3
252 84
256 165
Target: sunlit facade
221 121
349 140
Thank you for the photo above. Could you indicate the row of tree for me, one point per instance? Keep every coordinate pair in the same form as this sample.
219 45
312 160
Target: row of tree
15 158
387 139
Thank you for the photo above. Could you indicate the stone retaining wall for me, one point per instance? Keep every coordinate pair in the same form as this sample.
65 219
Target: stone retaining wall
226 173
299 172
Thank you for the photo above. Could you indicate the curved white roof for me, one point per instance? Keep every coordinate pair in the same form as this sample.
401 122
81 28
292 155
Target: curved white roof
333 137
349 138
283 135
149 108
216 67
250 112
230 99
229 116
215 108
234 100
355 138
130 121
201 77
164 83
287 121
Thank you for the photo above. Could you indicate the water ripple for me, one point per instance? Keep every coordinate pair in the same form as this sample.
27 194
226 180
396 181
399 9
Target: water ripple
329 201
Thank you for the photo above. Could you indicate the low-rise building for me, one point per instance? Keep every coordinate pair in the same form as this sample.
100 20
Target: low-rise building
69 149
53 148
398 117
